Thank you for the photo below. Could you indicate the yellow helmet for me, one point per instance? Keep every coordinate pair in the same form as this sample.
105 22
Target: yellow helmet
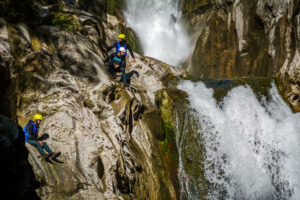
122 36
38 117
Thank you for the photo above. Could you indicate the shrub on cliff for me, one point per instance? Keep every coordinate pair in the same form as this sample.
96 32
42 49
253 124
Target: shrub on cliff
65 22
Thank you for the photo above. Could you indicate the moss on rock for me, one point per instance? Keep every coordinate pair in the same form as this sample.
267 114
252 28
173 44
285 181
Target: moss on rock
65 22
168 144
114 7
133 40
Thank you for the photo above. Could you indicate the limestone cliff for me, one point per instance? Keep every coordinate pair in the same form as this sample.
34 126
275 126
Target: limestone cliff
246 38
112 138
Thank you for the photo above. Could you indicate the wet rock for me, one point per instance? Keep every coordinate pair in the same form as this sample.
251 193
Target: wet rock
108 150
242 38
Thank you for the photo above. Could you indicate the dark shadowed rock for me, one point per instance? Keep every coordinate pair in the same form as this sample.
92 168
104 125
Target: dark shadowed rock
16 174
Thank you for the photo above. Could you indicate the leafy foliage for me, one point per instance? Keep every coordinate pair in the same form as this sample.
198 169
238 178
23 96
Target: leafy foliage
65 22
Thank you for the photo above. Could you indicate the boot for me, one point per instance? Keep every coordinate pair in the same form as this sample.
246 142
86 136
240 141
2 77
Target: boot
46 156
125 84
55 155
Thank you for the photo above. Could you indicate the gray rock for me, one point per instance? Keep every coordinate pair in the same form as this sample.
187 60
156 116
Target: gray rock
108 151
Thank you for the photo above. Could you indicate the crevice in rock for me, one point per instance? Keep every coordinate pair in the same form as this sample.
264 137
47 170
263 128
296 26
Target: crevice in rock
100 168
138 111
259 24
295 97
109 94
5 100
123 183
130 117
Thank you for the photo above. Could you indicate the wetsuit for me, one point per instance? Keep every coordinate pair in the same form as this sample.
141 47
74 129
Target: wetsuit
124 44
129 75
31 135
115 59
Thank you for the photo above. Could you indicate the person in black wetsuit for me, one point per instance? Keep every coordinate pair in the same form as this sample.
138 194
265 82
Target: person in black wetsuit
117 63
122 43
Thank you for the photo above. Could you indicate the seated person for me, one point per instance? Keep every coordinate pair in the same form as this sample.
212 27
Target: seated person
116 63
31 136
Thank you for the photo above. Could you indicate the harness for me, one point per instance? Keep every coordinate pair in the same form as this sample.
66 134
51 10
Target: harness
119 46
26 131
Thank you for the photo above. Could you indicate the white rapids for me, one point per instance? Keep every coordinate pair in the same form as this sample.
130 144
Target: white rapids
159 26
252 147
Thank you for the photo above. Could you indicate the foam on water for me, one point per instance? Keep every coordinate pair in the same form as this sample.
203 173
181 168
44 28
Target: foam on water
158 25
252 147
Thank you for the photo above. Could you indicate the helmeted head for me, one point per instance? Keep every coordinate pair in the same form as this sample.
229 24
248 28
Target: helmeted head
38 118
122 37
122 50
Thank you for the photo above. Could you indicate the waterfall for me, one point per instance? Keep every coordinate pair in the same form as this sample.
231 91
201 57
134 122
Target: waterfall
160 29
252 146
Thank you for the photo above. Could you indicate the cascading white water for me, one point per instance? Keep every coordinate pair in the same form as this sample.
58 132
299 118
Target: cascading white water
158 25
252 147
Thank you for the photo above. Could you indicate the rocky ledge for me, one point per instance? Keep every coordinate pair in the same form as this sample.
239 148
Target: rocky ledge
112 137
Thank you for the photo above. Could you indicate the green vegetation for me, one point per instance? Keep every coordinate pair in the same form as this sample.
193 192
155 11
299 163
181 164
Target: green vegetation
65 22
114 7
133 40
168 146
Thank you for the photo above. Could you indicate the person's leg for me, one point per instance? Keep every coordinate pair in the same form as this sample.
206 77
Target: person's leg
47 148
111 70
123 77
37 145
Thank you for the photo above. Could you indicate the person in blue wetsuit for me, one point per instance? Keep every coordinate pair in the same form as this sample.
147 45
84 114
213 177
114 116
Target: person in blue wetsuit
31 136
122 43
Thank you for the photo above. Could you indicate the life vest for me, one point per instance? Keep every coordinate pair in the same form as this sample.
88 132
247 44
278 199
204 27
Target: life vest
116 61
119 46
26 131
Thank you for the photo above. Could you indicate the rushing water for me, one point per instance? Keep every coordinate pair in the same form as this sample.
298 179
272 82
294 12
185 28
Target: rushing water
158 25
252 147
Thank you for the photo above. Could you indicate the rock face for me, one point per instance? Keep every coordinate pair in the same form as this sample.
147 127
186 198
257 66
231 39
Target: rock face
245 38
110 148
17 177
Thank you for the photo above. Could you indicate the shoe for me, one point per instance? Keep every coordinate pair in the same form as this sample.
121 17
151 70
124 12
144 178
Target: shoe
55 155
46 156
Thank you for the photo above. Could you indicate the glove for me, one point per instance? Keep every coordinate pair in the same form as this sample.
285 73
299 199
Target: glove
45 136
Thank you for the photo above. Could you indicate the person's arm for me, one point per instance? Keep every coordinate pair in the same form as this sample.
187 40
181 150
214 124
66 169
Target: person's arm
30 131
130 51
114 45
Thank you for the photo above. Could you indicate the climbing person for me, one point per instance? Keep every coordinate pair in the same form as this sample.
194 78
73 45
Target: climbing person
117 63
31 136
122 43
